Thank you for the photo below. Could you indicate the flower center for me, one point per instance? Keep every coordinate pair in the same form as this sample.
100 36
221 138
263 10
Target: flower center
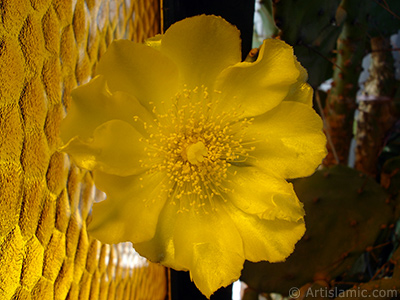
195 153
195 146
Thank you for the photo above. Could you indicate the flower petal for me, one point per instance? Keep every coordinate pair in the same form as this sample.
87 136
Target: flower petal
155 41
288 140
271 198
93 104
161 248
202 47
131 210
208 245
115 148
211 247
301 91
270 240
139 70
259 86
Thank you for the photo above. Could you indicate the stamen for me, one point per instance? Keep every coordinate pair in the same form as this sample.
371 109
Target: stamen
195 145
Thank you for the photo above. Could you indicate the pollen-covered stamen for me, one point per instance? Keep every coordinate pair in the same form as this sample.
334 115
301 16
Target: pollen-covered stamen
195 146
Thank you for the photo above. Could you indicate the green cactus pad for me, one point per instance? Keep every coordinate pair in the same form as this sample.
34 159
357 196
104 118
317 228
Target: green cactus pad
312 27
390 177
345 211
384 18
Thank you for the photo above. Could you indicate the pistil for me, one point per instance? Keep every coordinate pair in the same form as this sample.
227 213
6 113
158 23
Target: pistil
195 147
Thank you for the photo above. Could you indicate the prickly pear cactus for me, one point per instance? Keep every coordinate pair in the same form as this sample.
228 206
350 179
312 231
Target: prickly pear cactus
383 19
352 218
341 100
312 27
377 113
390 177
345 213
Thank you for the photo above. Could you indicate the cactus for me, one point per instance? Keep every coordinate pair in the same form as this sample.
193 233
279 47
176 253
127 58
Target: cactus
345 213
341 104
390 177
376 107
378 111
385 288
351 215
312 28
364 18
383 18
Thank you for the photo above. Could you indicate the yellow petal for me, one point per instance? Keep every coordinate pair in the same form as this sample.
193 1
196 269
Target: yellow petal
115 149
288 140
202 47
300 91
92 105
211 248
208 245
140 71
161 248
270 198
131 210
155 41
303 76
258 87
270 240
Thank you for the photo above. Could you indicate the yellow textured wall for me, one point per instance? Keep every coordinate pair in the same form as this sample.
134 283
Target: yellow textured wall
47 47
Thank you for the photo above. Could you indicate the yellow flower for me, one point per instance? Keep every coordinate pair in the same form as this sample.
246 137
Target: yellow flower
192 148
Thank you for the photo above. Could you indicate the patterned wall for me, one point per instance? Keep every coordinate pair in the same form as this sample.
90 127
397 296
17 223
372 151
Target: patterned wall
47 47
